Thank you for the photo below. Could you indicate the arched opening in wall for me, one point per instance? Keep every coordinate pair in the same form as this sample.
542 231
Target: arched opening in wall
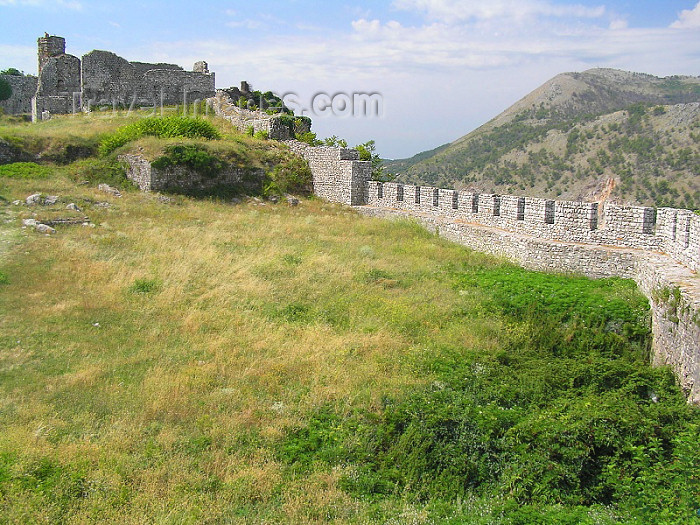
496 206
549 212
417 195
399 192
380 191
520 215
475 204
455 200
436 197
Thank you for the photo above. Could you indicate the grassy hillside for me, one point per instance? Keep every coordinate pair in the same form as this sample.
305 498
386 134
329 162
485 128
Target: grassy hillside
601 134
189 361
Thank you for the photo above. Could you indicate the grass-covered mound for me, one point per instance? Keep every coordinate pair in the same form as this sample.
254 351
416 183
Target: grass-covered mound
162 127
194 361
87 147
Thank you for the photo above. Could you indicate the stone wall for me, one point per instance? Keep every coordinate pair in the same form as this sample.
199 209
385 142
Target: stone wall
672 231
23 89
108 79
58 89
337 173
147 178
243 119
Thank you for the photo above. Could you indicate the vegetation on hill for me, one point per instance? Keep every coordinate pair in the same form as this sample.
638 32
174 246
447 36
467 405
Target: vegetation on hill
90 144
196 361
581 136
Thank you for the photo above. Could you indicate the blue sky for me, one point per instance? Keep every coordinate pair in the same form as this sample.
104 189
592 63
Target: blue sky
443 67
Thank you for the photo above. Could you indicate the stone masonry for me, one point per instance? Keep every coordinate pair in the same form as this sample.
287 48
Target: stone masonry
23 89
147 178
243 119
67 84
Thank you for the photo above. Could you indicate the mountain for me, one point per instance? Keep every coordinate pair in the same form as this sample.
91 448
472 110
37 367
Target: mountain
600 134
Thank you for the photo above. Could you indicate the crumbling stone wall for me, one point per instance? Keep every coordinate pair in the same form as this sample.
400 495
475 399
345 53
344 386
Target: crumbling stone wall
108 79
58 89
67 84
147 178
243 119
23 89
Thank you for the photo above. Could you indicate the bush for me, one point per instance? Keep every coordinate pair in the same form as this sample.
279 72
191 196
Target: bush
24 170
164 127
261 135
5 89
290 176
195 157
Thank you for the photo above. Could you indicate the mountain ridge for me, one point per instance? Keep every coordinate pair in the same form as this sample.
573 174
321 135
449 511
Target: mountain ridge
595 135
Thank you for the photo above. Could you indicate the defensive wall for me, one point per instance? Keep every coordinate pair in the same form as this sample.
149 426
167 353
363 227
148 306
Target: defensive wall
243 119
23 89
658 248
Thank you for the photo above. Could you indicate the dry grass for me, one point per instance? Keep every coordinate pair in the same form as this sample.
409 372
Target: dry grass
163 353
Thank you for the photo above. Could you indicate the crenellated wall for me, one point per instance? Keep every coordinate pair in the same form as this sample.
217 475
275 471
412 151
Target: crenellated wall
668 230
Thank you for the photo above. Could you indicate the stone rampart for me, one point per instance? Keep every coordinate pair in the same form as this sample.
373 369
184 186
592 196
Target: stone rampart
338 174
242 119
23 89
674 232
147 178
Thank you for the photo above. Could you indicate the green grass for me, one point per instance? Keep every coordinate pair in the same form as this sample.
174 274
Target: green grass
195 361
162 127
24 170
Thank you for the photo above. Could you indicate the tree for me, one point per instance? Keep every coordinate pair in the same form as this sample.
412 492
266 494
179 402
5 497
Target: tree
367 152
12 71
5 89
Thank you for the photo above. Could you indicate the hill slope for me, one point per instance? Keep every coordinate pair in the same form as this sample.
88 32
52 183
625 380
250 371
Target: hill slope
600 134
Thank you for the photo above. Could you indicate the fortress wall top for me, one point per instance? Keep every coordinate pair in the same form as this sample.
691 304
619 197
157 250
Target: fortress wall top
676 232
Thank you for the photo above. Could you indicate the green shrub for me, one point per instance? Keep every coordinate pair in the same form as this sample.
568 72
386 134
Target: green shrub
144 286
261 135
292 175
4 279
5 89
24 170
195 157
164 127
97 170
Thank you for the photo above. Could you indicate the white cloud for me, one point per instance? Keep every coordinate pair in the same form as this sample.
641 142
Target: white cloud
688 19
479 10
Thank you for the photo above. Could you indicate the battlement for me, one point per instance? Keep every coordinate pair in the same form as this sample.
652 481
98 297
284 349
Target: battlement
675 232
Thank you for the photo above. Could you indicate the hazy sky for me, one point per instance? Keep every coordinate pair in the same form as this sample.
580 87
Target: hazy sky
443 67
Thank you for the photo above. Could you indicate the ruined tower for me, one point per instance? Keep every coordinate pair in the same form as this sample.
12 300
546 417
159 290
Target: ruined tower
50 46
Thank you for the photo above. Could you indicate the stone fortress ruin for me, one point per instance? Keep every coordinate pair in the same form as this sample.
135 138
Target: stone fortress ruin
68 84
